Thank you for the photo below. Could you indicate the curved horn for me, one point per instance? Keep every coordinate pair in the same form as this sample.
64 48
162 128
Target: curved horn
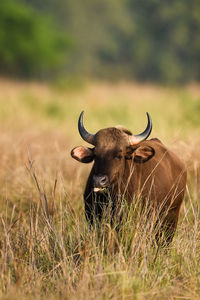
86 136
136 139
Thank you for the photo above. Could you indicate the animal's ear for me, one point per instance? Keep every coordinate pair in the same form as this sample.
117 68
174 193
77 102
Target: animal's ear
143 153
82 154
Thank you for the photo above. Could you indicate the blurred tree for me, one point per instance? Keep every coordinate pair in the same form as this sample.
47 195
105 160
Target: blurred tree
99 28
30 45
146 40
137 39
165 44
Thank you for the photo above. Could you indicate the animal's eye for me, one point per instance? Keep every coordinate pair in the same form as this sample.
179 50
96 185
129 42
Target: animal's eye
119 157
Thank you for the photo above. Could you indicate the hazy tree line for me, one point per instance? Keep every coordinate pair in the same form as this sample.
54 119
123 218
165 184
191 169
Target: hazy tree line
134 39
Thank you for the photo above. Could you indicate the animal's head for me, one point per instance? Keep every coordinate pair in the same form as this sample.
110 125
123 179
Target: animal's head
112 147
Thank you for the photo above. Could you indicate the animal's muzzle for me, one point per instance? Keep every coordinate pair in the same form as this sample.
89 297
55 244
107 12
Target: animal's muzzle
100 181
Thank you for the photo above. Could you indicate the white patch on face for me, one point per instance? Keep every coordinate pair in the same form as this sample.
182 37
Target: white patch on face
96 190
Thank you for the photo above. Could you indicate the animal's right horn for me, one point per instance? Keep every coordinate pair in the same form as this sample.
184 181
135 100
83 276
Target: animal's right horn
86 136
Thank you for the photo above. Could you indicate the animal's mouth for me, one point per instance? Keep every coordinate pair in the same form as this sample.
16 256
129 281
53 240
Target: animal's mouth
99 189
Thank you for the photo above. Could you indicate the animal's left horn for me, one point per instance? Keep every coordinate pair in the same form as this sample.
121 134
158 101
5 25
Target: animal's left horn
86 136
136 139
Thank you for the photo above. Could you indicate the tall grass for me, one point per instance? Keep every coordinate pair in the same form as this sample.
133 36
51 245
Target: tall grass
47 249
51 252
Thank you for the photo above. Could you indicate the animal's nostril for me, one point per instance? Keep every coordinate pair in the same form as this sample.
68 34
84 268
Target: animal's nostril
103 180
100 181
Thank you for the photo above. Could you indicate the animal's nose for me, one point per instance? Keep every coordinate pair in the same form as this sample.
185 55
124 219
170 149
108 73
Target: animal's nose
100 180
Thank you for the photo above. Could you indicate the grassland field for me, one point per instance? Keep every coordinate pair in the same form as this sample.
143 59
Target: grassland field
46 248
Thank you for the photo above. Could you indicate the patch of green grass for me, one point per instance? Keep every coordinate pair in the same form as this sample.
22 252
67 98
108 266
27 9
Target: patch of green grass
69 83
190 108
54 110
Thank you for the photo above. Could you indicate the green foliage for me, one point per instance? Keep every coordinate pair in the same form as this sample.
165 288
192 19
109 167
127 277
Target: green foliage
138 39
165 44
132 39
29 43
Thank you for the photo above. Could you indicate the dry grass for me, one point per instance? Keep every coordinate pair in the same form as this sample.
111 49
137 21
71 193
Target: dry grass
46 248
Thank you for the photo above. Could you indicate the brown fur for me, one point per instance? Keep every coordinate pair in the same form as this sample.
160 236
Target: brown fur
148 170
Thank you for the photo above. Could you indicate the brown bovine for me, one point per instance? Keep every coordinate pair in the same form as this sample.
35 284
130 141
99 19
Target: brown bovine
130 165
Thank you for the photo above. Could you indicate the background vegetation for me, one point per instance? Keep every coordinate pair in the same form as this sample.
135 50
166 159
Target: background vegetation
132 39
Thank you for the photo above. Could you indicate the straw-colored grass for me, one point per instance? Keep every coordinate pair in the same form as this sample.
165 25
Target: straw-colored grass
46 249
